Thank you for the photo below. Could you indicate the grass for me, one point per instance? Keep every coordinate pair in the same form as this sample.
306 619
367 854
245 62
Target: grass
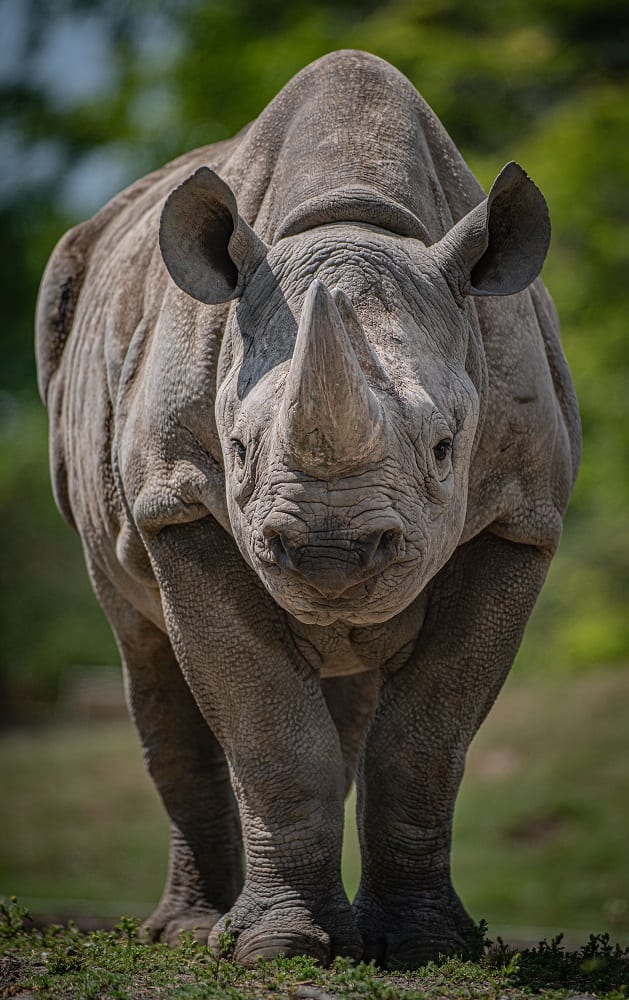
540 832
61 962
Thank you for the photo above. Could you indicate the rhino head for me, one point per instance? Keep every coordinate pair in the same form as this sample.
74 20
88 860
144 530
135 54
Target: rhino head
351 384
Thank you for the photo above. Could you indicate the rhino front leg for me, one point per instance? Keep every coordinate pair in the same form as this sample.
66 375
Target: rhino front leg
266 706
190 772
414 753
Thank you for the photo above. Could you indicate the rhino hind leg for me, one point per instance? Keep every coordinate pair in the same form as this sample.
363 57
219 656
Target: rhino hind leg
191 775
413 756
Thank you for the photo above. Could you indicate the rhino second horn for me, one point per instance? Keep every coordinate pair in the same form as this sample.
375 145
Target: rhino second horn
367 358
330 420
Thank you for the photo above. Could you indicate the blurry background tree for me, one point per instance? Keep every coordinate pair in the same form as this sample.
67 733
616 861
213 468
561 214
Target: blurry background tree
96 92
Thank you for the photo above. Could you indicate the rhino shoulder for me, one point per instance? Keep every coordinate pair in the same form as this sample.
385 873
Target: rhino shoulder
62 282
528 455
67 268
58 294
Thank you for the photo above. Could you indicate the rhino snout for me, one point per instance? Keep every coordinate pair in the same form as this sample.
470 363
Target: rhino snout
331 560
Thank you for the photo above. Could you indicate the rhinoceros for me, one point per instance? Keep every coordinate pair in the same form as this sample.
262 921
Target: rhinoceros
311 419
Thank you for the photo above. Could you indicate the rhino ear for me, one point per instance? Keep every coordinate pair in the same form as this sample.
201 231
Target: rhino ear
208 249
499 247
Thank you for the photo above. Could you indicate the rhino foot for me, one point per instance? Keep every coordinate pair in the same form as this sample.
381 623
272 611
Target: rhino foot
407 936
290 930
168 922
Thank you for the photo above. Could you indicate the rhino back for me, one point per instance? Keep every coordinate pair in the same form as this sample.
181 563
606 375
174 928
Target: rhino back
350 139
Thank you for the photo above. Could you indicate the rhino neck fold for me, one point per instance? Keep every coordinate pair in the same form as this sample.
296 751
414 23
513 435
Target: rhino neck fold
353 204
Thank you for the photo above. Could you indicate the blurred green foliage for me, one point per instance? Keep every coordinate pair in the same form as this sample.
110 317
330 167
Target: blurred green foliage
543 81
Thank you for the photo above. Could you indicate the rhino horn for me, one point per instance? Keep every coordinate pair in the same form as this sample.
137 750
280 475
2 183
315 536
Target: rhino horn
330 420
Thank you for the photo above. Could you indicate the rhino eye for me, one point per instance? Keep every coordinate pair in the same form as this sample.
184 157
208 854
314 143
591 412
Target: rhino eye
239 449
442 450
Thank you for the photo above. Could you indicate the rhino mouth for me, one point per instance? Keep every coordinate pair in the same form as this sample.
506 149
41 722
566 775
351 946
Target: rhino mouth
358 605
318 591
325 583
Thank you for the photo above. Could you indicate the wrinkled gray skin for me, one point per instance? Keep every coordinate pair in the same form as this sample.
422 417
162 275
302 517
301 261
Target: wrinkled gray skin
319 471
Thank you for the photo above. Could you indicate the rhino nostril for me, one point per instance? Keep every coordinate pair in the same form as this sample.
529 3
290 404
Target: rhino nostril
282 539
278 550
387 548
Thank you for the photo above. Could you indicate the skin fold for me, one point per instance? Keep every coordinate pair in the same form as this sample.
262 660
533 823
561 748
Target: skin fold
311 418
